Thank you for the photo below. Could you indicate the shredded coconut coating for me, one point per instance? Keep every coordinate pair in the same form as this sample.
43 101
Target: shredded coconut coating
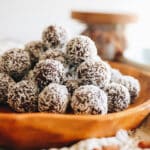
1 64
89 99
80 49
54 98
16 63
54 54
132 84
5 81
72 85
118 97
55 36
23 97
94 72
35 48
115 75
48 71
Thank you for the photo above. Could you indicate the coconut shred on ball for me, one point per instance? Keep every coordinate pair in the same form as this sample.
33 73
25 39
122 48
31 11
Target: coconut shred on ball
89 99
94 72
23 97
54 54
80 49
55 36
16 62
5 82
48 71
118 97
1 65
54 98
35 49
115 75
132 84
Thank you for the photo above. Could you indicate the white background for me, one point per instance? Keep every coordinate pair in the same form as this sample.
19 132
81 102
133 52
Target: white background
24 20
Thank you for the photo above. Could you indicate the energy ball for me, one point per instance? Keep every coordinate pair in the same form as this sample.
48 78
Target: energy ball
54 54
94 72
72 85
55 36
54 98
23 97
89 99
115 75
118 97
49 71
5 81
132 85
35 48
80 49
16 63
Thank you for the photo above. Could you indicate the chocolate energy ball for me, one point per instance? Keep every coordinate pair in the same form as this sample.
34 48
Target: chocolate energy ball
16 63
115 75
54 98
118 97
23 97
54 54
48 71
80 49
89 99
72 85
5 81
94 72
132 85
35 48
55 36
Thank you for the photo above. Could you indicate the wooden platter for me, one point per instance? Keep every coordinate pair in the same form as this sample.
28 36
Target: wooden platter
42 130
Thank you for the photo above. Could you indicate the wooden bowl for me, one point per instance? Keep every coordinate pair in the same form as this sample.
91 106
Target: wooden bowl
38 130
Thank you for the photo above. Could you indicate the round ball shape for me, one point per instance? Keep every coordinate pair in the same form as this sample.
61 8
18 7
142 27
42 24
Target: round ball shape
89 99
80 49
23 97
48 71
115 75
132 84
55 36
16 63
54 98
118 97
94 72
54 54
35 48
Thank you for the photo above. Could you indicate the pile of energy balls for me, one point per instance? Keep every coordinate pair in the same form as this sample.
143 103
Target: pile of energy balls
62 75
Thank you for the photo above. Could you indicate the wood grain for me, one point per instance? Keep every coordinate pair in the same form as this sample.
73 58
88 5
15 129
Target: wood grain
103 18
38 130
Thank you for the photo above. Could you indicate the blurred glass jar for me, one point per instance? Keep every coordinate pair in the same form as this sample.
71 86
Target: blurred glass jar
107 30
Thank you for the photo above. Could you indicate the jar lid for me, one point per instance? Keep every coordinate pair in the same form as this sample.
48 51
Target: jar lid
104 18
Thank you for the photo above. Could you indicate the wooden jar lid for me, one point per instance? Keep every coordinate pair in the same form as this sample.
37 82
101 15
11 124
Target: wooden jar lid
104 18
